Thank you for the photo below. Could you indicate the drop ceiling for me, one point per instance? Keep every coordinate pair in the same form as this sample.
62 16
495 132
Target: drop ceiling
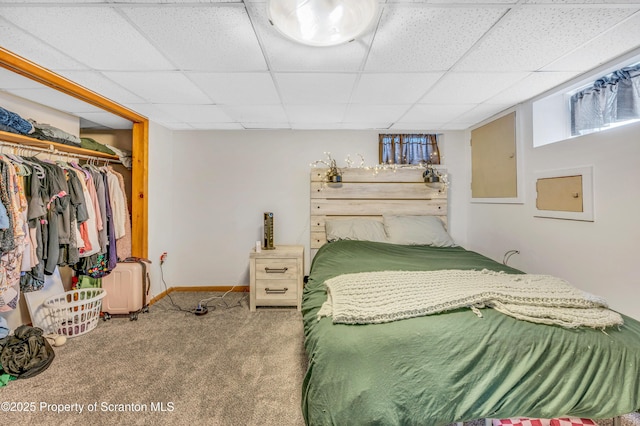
425 65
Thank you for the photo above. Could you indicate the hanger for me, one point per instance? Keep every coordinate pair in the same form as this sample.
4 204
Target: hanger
89 165
84 171
39 170
13 158
18 162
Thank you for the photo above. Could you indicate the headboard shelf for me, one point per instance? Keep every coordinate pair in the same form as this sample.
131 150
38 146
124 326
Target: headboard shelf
388 190
364 193
400 174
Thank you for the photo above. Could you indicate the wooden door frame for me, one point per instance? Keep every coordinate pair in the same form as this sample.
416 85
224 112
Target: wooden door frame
140 138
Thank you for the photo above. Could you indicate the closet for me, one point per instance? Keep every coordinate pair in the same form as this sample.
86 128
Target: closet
134 139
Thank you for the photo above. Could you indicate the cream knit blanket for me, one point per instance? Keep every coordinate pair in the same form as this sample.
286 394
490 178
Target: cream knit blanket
378 297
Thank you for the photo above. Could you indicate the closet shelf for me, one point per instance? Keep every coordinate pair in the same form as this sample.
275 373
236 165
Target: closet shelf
58 147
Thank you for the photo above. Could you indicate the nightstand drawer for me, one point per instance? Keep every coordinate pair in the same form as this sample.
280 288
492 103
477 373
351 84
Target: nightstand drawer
279 290
276 269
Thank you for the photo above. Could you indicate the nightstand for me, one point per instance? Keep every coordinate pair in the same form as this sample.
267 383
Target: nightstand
276 277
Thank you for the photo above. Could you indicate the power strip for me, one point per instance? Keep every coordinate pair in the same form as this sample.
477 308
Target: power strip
201 310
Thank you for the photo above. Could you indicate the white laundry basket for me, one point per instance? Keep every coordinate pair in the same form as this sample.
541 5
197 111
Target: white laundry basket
74 312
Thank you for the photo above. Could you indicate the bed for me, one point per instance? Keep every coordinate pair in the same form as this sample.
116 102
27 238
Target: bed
451 366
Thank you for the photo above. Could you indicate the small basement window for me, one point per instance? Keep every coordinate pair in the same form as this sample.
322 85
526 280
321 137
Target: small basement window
611 100
409 148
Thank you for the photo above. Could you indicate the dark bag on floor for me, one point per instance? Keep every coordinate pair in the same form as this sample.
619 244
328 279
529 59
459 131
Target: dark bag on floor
26 353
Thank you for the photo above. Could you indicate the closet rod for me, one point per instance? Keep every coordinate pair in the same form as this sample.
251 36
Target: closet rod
52 151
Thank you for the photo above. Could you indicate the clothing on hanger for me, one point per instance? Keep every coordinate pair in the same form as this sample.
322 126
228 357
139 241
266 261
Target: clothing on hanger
56 213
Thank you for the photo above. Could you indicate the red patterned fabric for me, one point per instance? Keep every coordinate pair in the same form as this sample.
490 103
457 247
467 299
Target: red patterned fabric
572 422
521 422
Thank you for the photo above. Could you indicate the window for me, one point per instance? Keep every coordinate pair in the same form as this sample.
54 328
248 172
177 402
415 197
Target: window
409 148
611 100
609 97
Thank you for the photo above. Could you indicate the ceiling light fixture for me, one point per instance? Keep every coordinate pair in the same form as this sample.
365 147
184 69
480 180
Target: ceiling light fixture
322 22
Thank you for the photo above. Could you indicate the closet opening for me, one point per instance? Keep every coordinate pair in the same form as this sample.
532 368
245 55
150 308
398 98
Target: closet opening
117 137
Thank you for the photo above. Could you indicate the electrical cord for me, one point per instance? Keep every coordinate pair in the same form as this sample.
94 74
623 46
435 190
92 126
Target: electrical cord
174 304
204 302
202 307
508 254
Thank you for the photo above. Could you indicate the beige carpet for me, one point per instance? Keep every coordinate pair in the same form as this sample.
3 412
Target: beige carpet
228 367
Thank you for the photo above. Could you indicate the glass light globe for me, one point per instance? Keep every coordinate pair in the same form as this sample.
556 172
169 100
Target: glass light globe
322 22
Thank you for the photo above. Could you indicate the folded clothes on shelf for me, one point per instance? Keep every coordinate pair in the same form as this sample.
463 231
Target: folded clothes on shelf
12 122
48 132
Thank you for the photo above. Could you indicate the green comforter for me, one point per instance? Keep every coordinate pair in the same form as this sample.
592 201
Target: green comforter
455 366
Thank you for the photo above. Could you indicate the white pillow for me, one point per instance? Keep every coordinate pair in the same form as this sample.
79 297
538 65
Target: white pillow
355 229
417 230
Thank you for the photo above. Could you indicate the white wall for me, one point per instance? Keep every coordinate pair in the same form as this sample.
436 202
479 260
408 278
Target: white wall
600 257
160 200
210 210
40 113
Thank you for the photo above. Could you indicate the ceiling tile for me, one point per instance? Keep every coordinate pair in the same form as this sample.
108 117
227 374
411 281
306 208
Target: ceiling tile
219 64
286 55
152 111
330 113
218 38
441 113
255 113
171 125
529 38
29 47
57 1
160 87
219 126
98 83
384 114
615 42
317 126
470 88
478 114
315 88
94 36
364 125
457 1
237 88
196 113
603 2
170 1
393 88
456 126
258 126
420 38
531 86
412 127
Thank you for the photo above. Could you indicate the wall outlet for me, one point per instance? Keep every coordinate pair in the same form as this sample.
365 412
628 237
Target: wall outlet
163 257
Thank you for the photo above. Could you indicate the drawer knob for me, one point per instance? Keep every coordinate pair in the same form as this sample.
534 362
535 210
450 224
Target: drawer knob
275 270
276 290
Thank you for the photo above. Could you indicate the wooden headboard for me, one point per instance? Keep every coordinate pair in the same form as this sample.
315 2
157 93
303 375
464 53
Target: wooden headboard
364 193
